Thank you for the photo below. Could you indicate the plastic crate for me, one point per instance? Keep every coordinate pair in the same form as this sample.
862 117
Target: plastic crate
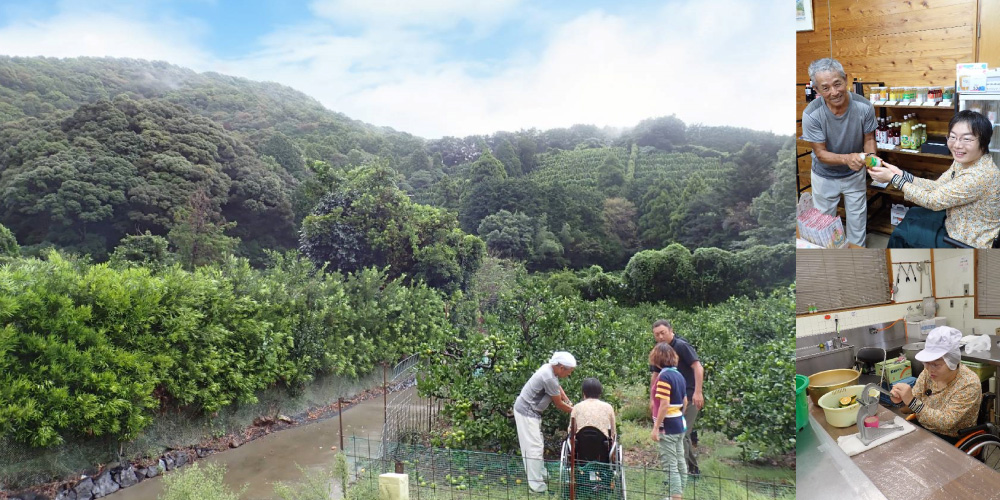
983 370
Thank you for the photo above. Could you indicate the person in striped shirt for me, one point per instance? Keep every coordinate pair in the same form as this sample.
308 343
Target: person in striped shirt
669 400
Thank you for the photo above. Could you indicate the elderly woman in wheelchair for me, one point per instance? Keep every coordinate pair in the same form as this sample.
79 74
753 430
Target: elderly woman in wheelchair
591 461
947 394
592 412
947 399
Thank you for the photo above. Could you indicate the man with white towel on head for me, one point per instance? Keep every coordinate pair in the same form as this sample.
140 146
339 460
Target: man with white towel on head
540 390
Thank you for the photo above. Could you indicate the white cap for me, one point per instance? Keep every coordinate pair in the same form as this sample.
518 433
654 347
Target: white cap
563 358
941 341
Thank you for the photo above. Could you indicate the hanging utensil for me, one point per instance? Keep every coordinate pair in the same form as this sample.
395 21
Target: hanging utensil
911 271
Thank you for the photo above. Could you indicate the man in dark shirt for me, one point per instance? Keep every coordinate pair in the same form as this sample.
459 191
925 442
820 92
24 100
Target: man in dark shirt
690 367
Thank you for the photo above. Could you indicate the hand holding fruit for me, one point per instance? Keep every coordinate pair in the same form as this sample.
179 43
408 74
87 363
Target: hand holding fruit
884 172
855 162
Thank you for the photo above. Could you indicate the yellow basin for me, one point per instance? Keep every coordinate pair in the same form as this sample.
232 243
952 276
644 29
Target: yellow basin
826 381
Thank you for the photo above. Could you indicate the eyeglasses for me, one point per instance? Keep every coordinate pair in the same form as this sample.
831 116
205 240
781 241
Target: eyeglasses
966 139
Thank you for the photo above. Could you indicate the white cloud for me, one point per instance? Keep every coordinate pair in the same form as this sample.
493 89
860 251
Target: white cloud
599 69
436 13
75 33
724 65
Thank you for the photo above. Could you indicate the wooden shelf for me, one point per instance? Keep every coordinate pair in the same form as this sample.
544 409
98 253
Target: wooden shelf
924 108
879 221
888 190
916 153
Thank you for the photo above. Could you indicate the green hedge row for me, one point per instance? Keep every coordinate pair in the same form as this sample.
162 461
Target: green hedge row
89 350
684 278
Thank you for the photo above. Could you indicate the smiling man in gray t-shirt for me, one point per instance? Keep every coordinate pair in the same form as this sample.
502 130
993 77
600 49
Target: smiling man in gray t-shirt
840 124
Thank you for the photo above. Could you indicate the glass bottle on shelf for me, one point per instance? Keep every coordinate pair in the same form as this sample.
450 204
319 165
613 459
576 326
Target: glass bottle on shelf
906 133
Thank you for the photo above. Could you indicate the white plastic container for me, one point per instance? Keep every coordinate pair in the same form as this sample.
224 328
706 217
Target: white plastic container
837 416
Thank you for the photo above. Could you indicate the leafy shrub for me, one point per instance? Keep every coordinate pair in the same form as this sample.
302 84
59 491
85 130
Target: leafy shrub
146 250
90 350
707 276
59 372
197 482
8 243
479 375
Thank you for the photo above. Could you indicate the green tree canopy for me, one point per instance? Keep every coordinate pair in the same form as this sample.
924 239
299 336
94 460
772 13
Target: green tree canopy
367 221
509 158
8 243
487 167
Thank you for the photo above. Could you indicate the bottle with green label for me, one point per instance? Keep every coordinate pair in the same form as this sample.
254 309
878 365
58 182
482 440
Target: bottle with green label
905 139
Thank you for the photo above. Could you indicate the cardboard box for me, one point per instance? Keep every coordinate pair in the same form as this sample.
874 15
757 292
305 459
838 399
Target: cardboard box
929 324
894 370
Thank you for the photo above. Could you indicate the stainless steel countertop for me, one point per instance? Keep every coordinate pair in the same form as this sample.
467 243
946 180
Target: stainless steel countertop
819 461
915 466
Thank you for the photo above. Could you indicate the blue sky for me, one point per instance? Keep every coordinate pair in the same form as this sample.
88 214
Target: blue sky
457 67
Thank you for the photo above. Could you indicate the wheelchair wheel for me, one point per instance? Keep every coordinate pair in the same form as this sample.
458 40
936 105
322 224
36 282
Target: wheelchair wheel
985 448
623 491
564 470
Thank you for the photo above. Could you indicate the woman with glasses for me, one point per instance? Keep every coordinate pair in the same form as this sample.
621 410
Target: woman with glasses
947 394
968 193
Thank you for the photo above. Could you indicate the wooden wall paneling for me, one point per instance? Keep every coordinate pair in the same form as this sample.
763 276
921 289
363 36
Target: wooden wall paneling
812 45
853 18
920 58
989 33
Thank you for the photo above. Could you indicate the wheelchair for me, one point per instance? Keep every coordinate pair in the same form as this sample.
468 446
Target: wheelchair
982 441
590 466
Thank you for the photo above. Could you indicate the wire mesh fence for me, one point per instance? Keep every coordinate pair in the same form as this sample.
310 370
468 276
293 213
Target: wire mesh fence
406 413
451 474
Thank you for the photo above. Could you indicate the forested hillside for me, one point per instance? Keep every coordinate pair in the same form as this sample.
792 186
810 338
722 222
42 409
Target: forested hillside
174 243
94 149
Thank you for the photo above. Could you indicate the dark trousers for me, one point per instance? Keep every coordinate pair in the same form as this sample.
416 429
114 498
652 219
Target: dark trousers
921 228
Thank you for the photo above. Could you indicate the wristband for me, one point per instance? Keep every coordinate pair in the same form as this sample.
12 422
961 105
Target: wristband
916 405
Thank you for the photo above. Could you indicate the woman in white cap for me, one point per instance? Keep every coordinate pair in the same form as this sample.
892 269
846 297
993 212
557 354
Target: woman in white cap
540 390
947 394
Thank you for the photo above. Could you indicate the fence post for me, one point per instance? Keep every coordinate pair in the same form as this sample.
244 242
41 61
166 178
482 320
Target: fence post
340 417
572 460
385 412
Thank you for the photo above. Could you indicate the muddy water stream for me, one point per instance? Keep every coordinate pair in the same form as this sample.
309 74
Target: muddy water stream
262 462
